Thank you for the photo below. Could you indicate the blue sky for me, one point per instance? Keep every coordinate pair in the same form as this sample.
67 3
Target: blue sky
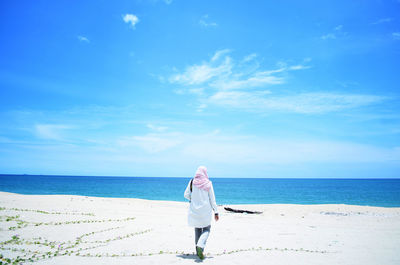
157 88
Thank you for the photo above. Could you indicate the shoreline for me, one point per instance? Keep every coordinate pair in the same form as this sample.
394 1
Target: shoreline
73 229
220 205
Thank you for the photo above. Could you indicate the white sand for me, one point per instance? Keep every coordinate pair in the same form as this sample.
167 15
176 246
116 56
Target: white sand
283 234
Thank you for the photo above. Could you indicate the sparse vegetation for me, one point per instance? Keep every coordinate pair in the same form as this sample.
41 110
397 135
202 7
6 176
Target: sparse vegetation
79 247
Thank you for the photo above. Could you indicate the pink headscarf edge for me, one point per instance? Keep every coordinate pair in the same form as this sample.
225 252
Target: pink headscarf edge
201 179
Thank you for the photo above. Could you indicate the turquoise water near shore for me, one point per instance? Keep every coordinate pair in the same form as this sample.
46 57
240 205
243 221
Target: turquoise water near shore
372 192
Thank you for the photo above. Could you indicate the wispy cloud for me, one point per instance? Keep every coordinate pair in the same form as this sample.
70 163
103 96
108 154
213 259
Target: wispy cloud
151 143
175 146
219 54
257 79
131 19
225 84
337 32
306 103
51 131
328 36
83 39
206 22
247 150
249 57
382 20
157 128
198 74
221 72
226 155
396 35
298 67
253 150
338 28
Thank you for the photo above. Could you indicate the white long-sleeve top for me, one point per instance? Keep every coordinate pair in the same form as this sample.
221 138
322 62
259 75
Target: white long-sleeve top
202 203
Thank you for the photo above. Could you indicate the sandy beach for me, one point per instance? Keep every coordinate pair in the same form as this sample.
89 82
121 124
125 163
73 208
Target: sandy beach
66 229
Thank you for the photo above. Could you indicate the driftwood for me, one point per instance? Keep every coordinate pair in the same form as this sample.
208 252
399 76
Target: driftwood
241 211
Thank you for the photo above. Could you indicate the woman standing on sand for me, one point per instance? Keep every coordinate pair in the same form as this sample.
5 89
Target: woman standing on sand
200 193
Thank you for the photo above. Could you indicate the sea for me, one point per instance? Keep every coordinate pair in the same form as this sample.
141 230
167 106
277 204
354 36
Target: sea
371 192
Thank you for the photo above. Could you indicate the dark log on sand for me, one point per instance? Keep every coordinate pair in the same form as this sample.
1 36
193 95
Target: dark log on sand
241 211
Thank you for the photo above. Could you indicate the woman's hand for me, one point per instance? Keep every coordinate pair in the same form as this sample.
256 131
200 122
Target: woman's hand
216 217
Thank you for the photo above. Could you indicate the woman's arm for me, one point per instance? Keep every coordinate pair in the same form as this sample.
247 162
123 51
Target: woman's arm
187 193
213 203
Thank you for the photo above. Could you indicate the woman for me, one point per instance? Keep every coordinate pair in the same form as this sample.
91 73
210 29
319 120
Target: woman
200 193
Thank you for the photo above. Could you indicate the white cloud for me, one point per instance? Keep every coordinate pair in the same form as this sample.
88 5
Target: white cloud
157 128
197 91
227 84
239 99
328 36
222 73
237 150
201 107
219 53
83 39
205 22
243 155
198 74
151 143
130 19
249 57
306 103
298 67
257 79
338 28
51 131
337 33
396 35
382 20
253 150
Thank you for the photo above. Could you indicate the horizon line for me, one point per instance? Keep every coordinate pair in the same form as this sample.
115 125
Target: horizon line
109 176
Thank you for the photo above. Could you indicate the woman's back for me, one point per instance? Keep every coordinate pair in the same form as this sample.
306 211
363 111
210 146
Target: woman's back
202 203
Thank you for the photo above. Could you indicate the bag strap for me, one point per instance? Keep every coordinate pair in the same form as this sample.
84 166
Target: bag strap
191 182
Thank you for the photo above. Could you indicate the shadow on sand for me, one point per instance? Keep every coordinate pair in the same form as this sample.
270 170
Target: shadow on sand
192 256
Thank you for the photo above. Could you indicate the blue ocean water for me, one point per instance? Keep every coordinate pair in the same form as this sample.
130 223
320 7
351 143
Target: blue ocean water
372 192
